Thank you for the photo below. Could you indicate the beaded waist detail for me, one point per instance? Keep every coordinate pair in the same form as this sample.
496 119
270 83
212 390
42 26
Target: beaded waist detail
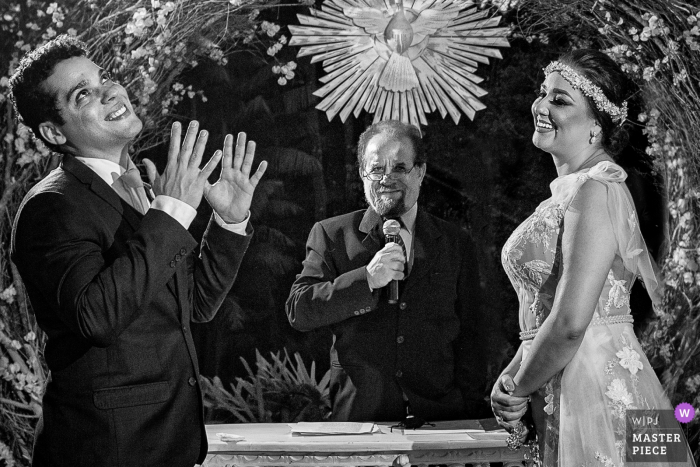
619 319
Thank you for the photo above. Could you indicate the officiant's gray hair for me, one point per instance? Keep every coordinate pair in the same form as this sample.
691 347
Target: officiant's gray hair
395 129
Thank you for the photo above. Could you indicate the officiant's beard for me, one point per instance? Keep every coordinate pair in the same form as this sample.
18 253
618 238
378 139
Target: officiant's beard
389 207
386 206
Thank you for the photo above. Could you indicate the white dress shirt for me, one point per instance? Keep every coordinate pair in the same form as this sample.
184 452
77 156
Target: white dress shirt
178 210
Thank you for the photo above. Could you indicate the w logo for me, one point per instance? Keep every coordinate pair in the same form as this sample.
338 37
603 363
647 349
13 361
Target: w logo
684 412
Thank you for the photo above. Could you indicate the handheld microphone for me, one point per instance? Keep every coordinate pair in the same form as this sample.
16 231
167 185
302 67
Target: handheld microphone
392 230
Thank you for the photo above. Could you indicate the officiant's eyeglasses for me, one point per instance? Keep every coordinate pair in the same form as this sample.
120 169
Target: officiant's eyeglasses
377 173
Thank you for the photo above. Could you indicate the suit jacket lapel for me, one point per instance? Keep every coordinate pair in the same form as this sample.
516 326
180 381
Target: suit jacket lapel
371 226
86 175
426 252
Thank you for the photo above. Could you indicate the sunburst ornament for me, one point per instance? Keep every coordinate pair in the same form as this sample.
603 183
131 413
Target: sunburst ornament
400 60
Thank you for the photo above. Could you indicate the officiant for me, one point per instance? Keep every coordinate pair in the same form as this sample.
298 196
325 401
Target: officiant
417 354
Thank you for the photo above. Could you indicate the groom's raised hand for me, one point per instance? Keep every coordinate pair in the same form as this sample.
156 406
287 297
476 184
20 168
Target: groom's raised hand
182 179
231 195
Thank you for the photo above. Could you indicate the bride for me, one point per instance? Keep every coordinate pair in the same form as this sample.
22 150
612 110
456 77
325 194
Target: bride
573 262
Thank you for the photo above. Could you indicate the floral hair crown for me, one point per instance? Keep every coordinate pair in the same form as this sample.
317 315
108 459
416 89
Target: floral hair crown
583 84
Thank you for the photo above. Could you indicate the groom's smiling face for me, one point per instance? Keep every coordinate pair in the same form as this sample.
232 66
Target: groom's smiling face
393 195
96 111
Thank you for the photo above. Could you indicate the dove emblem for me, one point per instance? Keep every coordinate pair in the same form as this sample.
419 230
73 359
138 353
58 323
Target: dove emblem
400 60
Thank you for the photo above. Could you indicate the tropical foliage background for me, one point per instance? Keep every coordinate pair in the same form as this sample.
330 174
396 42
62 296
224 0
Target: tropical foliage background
226 63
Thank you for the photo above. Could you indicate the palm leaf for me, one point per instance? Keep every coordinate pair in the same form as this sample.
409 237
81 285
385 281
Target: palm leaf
284 208
263 192
289 162
267 234
272 260
279 391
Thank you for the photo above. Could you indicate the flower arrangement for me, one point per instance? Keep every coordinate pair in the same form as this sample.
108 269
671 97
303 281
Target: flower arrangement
146 45
656 44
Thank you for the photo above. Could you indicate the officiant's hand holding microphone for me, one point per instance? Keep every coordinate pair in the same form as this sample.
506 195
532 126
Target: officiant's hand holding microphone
387 266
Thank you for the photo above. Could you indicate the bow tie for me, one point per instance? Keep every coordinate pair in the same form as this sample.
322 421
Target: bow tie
131 189
131 178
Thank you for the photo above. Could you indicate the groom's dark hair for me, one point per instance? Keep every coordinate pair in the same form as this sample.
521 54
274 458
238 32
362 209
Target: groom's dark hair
32 102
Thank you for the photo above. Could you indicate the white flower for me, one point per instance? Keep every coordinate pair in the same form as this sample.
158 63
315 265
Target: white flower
617 391
607 462
282 81
691 384
8 294
549 408
274 48
648 73
269 28
629 359
30 336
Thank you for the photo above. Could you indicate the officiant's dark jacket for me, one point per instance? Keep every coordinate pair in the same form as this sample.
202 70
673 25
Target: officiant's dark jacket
426 346
115 292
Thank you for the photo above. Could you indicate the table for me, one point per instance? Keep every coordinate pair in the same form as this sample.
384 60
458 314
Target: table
272 444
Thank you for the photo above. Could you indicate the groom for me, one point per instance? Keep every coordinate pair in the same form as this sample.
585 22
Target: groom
112 275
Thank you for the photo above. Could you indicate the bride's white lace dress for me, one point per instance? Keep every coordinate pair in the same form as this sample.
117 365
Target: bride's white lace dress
581 411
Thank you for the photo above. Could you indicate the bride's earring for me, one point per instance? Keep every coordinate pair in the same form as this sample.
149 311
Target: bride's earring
593 137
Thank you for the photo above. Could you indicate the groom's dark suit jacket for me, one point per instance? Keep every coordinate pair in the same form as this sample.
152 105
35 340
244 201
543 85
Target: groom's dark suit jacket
115 292
426 346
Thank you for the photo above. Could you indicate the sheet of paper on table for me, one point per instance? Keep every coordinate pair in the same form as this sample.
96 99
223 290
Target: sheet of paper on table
332 428
456 427
230 437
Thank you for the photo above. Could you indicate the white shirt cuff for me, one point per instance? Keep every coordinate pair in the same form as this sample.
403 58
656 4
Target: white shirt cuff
178 210
239 228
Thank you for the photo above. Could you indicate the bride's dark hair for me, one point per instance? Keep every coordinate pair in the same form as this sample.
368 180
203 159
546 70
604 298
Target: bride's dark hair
627 144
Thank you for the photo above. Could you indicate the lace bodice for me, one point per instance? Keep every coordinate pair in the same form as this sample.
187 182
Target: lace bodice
532 255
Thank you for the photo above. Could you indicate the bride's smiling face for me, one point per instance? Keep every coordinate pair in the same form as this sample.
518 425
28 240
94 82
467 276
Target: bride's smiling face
563 122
